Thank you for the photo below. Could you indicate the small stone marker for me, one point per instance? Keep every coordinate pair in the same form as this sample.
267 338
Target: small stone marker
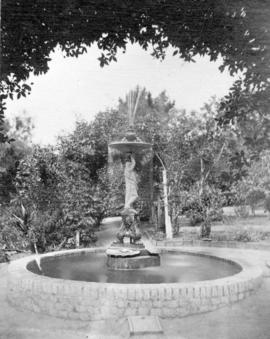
140 325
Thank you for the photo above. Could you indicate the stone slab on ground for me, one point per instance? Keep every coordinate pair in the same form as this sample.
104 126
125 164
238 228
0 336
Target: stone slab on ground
141 325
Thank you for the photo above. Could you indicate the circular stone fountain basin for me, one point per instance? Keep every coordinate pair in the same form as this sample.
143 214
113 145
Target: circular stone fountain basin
187 282
174 268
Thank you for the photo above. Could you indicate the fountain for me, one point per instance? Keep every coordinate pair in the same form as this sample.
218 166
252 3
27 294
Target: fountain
128 279
128 252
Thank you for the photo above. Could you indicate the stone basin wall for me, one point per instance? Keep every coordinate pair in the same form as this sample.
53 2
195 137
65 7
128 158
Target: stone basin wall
96 301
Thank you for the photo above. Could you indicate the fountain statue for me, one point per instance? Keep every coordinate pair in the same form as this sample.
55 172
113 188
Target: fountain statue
130 220
128 251
130 181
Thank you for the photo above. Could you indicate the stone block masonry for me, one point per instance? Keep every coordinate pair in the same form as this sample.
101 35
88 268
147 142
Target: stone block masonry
98 301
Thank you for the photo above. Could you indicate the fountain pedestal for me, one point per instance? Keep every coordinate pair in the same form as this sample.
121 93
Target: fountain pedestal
130 257
129 231
128 252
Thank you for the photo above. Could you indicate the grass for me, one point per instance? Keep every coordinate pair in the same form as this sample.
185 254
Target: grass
234 228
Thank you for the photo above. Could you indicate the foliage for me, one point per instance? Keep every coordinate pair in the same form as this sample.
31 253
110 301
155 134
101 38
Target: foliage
253 130
241 211
256 185
74 186
203 207
44 229
208 28
78 204
10 237
200 207
111 188
60 193
38 179
71 186
254 197
19 131
267 203
90 188
235 30
242 235
197 149
87 147
199 156
3 257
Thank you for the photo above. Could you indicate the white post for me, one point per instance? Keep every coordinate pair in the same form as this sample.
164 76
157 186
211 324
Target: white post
77 239
168 225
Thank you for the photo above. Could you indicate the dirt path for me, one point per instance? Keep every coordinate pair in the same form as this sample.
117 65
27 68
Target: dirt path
108 230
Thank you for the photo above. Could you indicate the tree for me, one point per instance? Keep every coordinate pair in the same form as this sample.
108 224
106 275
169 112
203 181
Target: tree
236 30
200 157
38 179
255 186
19 132
55 197
87 146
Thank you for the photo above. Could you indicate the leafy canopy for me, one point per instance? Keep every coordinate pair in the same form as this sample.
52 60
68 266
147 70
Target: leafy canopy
238 30
235 29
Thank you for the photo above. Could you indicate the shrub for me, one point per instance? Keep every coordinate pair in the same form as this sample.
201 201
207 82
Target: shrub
193 210
38 179
254 196
10 237
204 208
3 256
26 226
48 231
55 198
248 235
87 237
241 235
242 211
195 218
216 214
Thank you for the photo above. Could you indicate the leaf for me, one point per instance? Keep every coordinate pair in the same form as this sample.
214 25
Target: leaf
20 220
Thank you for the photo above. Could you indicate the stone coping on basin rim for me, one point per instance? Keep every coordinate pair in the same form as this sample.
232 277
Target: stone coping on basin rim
86 301
212 243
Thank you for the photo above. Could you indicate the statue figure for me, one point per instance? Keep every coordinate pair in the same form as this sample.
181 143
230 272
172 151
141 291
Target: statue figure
130 181
130 217
129 227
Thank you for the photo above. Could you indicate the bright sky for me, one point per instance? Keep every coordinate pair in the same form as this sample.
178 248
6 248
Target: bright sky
80 88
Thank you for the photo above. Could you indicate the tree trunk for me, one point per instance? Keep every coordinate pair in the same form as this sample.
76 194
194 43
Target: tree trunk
168 224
